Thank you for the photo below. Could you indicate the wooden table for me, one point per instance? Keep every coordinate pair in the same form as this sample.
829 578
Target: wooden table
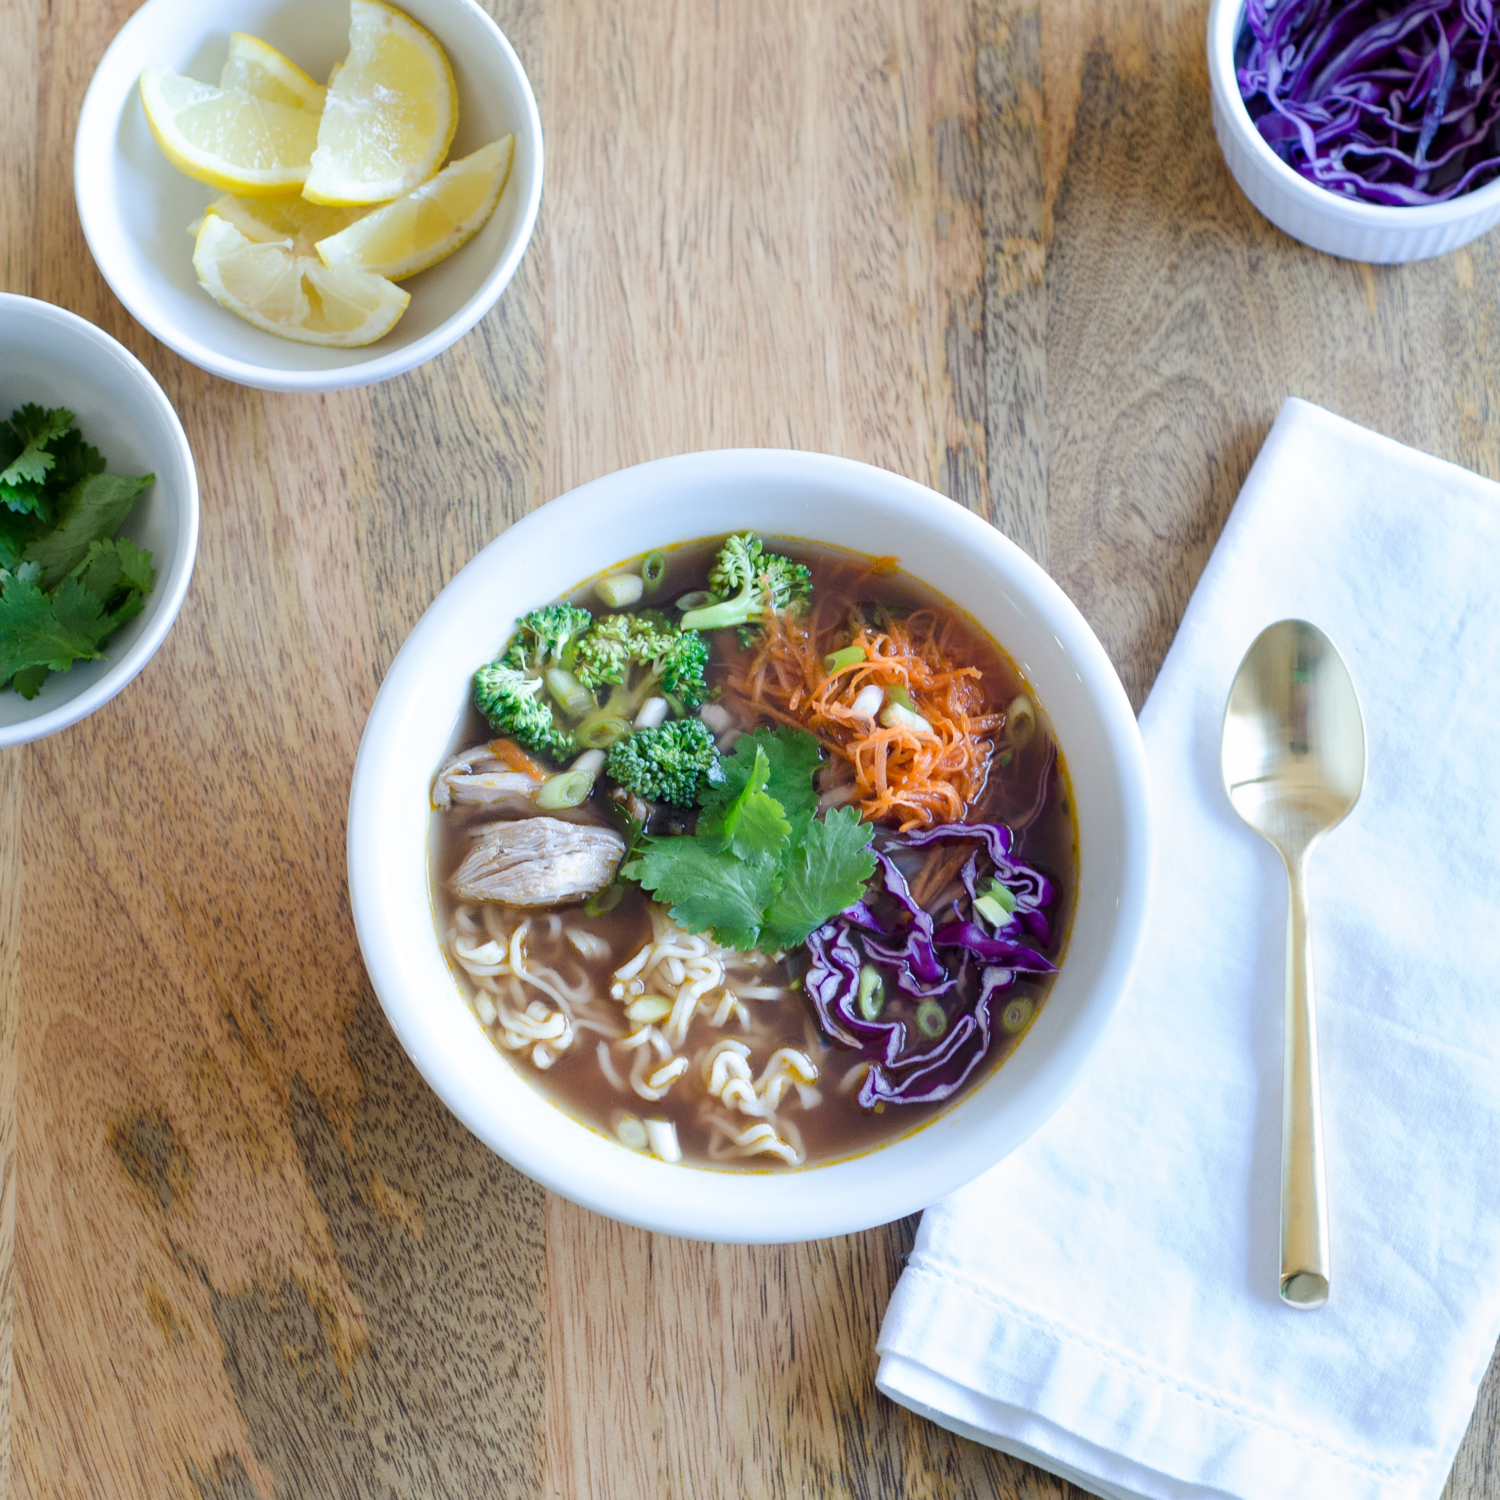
991 245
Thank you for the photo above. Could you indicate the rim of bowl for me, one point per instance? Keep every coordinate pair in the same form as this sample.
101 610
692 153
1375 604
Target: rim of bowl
1225 19
807 1214
126 668
370 372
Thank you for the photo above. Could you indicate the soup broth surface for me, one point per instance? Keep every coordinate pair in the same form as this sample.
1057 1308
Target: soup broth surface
520 969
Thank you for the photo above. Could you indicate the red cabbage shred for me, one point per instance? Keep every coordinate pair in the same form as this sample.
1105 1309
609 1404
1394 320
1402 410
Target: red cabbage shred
1394 104
962 965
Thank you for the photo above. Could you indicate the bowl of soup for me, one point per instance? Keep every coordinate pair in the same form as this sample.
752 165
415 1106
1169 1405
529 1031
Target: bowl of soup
751 846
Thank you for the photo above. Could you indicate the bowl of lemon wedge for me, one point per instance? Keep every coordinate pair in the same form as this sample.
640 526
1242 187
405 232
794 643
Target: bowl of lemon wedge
308 195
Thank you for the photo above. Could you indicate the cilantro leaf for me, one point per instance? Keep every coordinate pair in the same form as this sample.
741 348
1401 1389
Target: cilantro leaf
76 461
93 510
66 583
38 631
760 829
36 428
116 565
792 756
827 871
753 822
28 681
762 871
26 499
16 534
708 887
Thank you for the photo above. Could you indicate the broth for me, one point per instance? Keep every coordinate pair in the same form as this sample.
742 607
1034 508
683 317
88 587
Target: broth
577 965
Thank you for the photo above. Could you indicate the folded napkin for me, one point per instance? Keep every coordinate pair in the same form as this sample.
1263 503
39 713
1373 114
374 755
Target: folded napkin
1104 1302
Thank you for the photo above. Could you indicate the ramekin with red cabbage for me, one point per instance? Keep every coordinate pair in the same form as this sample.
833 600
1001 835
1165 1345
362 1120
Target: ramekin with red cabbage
1390 104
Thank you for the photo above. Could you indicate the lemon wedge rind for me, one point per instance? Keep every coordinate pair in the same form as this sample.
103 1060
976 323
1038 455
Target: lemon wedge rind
228 138
270 220
294 296
427 224
257 68
389 114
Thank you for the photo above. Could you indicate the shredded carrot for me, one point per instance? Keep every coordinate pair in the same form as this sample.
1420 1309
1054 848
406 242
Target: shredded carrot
508 753
901 775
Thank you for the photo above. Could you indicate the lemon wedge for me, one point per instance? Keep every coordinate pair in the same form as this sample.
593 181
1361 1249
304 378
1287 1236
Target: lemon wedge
273 220
390 112
295 296
430 222
255 67
228 138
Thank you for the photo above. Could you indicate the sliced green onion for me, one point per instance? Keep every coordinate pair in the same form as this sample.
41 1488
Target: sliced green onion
649 1008
603 901
1020 720
653 570
663 1137
569 693
653 714
632 1133
1001 894
566 789
698 599
850 656
620 589
871 992
1015 1015
932 1019
601 733
893 715
991 910
897 693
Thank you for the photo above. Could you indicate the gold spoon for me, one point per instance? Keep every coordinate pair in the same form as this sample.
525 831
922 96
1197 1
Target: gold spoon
1293 756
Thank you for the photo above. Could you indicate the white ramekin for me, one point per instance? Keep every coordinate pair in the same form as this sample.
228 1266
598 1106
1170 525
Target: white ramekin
55 358
135 205
1327 221
622 515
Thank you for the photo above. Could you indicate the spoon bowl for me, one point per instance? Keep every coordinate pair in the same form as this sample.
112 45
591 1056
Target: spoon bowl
1293 760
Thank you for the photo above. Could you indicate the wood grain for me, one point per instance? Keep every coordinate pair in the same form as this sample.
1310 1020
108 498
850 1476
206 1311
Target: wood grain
989 244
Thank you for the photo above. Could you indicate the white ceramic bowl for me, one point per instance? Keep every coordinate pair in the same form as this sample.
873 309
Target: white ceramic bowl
1330 222
418 711
55 358
136 206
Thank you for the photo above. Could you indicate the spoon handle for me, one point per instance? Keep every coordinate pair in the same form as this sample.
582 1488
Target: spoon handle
1304 1206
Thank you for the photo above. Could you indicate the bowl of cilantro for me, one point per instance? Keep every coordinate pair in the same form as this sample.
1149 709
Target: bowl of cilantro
98 518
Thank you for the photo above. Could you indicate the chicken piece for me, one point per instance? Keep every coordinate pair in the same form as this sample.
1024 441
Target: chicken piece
505 791
539 862
478 778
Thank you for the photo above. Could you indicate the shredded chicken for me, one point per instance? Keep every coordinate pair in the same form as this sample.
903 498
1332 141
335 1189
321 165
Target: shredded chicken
538 862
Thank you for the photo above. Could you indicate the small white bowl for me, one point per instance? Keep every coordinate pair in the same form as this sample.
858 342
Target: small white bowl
55 358
1381 233
136 206
818 498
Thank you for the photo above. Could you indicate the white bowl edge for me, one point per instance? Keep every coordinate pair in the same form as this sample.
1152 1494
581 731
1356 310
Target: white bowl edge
106 127
417 710
171 505
1380 233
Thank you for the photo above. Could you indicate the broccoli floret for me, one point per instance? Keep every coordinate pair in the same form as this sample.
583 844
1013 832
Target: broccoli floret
640 655
666 764
543 638
513 704
746 581
508 692
606 654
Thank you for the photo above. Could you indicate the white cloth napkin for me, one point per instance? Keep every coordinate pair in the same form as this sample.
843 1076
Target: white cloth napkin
1104 1302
